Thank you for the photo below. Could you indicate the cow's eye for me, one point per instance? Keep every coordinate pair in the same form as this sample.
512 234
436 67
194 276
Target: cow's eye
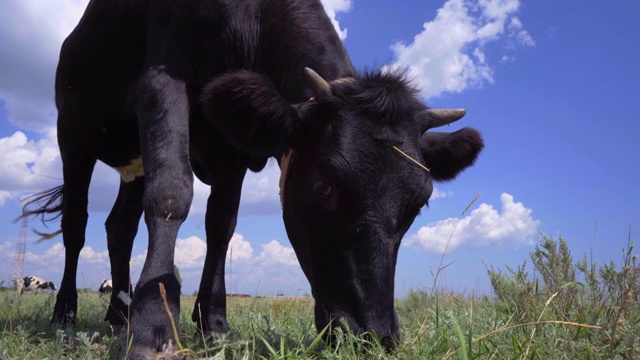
322 188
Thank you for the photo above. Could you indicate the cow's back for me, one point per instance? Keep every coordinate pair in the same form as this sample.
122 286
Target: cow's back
107 48
100 61
115 42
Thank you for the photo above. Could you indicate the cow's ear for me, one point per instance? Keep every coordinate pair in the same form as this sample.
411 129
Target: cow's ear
247 108
447 154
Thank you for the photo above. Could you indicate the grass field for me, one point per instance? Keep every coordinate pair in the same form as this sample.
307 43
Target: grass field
569 310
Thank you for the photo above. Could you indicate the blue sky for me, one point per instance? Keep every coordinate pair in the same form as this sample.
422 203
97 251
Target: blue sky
552 86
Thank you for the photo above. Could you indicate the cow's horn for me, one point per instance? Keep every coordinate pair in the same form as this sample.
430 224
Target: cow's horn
433 118
319 86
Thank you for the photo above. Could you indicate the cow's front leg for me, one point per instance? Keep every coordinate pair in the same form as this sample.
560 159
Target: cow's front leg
162 108
209 312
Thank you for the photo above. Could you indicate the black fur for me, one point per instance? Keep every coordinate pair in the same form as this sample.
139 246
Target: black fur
248 109
215 87
388 98
447 154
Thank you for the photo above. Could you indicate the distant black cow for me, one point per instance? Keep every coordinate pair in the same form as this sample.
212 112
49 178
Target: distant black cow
106 287
161 89
33 283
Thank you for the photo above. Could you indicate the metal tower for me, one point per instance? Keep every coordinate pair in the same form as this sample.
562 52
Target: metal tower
18 257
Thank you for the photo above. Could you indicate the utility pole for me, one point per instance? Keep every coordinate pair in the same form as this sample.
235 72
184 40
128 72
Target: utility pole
17 272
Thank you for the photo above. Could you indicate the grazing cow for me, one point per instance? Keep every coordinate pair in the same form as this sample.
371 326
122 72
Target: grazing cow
160 90
33 283
106 288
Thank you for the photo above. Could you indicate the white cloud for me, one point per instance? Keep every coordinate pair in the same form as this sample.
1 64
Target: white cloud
483 227
259 193
32 33
90 256
239 249
28 164
7 248
438 194
190 252
274 253
522 37
53 255
4 196
448 55
56 253
246 267
332 7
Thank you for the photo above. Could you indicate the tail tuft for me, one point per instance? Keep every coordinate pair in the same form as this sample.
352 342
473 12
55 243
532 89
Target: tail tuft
47 205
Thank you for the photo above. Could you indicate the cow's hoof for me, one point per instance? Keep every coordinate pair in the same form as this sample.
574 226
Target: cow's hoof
169 352
64 318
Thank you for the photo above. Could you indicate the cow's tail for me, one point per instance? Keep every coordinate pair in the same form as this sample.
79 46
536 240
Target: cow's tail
48 206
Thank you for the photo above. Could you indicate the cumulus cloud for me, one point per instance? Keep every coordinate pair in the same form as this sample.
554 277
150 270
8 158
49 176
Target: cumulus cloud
4 196
90 256
190 252
242 262
7 247
275 253
517 32
332 8
260 193
438 194
448 55
50 263
483 227
247 266
29 164
54 254
239 249
32 33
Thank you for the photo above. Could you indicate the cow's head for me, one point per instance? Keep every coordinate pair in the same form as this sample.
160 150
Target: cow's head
359 167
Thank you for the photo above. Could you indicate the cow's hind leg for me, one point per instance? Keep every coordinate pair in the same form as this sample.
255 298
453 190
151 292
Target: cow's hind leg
77 167
162 108
209 312
122 227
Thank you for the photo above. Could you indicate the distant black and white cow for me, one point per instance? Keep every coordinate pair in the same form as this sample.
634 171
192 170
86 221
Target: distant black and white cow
33 283
160 90
106 287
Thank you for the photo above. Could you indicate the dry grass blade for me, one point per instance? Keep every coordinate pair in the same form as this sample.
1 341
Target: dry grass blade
411 159
471 203
163 294
533 332
558 322
416 338
440 268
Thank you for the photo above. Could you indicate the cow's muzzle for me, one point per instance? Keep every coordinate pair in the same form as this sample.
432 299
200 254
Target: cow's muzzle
373 328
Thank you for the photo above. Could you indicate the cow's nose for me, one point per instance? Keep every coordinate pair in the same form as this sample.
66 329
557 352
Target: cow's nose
388 340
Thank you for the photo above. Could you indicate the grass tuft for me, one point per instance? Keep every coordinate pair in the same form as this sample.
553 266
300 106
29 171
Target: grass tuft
566 310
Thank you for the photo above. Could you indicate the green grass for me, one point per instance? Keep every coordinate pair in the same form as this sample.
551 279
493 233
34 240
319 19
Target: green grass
567 311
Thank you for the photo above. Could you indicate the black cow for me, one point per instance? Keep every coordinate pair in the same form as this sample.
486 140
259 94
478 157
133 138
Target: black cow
33 283
161 89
